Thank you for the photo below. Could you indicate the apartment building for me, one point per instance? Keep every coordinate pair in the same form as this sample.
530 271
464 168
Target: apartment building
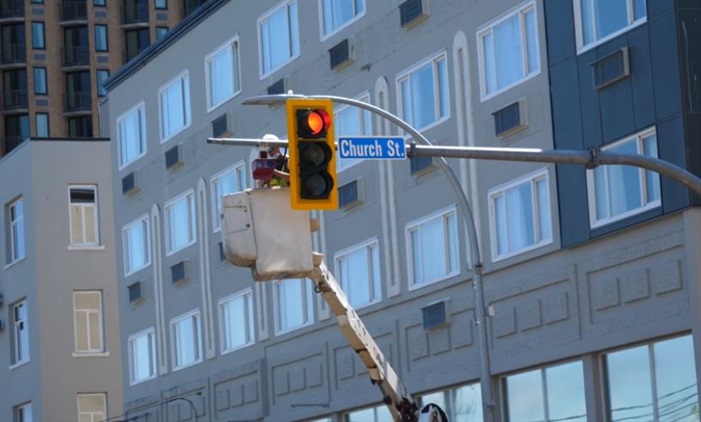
591 276
55 55
60 358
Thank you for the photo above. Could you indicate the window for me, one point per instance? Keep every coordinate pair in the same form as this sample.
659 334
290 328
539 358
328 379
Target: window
230 180
15 86
423 93
101 38
352 121
23 413
38 40
554 393
187 344
42 120
92 407
161 32
519 215
508 51
132 135
161 4
358 270
15 212
40 85
78 91
617 192
137 40
102 75
99 3
76 49
180 221
137 245
81 127
87 311
460 404
293 304
20 333
432 248
83 215
371 414
653 382
278 37
175 106
597 21
223 74
236 321
142 356
340 13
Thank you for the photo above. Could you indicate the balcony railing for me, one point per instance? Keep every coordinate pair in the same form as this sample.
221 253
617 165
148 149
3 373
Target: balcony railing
14 99
137 13
74 11
76 56
11 142
78 101
11 9
14 53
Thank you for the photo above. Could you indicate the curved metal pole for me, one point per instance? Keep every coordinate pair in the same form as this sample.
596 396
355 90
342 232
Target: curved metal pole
192 405
488 404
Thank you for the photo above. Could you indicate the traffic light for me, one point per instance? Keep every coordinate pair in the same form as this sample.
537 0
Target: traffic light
312 161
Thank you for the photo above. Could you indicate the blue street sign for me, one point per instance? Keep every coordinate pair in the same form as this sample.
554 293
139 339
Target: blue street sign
372 147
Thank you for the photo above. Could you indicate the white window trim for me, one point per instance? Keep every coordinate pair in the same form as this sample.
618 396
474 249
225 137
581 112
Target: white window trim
196 314
579 33
410 259
215 211
404 74
340 28
145 332
125 246
24 406
96 220
11 223
234 40
182 75
101 323
250 322
530 177
104 404
520 9
141 105
263 17
276 314
193 220
364 97
25 359
591 189
358 246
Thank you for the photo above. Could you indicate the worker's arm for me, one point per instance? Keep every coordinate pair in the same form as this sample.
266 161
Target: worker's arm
282 175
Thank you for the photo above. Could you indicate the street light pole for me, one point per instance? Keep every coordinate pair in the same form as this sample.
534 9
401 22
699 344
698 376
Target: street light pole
192 405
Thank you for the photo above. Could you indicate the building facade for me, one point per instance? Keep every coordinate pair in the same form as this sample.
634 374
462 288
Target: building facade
55 55
60 358
591 276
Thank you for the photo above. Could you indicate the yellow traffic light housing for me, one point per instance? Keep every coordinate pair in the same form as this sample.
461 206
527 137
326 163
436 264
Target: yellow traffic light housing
312 155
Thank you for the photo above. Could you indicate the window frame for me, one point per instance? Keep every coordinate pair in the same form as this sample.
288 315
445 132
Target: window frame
346 163
150 334
249 323
106 34
101 91
236 76
143 219
159 29
140 110
36 122
157 7
35 44
531 178
92 415
189 197
405 74
88 312
16 233
638 138
293 47
20 412
367 246
579 25
96 215
488 28
20 353
197 344
40 69
442 213
239 167
183 78
307 307
322 19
